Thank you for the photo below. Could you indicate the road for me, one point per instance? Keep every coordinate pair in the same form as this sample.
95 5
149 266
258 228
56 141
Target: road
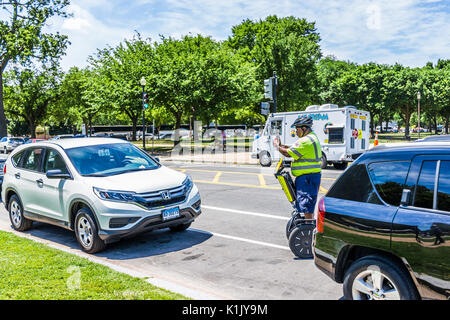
236 249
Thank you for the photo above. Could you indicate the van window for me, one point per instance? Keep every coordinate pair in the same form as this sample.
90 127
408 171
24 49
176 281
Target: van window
425 186
335 135
443 198
276 127
389 178
352 123
354 185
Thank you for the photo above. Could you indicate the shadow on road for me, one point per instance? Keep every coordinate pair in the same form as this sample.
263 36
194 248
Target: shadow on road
143 245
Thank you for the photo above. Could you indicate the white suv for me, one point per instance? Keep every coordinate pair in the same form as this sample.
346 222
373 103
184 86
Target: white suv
104 189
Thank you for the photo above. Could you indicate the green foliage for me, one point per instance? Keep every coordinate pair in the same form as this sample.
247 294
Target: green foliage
23 41
289 46
29 94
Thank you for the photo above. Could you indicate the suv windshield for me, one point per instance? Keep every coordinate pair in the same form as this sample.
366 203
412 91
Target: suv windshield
109 159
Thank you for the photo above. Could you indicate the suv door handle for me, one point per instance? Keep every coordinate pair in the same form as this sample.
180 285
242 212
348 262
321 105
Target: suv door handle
40 181
17 175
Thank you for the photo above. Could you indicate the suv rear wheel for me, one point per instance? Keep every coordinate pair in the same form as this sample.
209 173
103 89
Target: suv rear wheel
18 221
86 232
377 278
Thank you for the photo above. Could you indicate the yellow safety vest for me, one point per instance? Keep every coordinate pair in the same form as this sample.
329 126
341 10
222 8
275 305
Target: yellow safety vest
307 155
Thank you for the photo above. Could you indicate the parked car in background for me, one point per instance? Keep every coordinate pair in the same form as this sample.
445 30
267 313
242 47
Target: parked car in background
444 137
62 136
34 140
117 135
2 163
8 144
101 188
383 229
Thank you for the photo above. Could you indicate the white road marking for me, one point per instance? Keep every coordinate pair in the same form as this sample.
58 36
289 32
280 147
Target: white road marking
266 244
263 215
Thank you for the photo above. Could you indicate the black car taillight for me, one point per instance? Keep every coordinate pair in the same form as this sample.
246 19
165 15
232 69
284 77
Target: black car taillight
320 215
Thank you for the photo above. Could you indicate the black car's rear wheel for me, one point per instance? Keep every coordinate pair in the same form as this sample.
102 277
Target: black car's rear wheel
377 278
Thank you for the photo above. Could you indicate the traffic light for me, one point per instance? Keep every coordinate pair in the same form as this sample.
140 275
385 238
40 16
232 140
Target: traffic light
268 89
145 100
265 108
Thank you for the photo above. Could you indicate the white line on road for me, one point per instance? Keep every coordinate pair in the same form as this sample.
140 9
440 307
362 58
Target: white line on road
244 240
247 213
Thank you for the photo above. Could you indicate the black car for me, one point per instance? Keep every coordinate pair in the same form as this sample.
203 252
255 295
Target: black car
383 229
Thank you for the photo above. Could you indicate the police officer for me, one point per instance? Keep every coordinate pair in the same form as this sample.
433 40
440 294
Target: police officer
306 165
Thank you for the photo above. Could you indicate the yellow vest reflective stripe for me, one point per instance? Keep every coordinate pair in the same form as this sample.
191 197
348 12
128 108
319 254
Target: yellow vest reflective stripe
307 155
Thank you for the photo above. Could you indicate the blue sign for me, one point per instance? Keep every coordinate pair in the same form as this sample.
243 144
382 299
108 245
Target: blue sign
315 116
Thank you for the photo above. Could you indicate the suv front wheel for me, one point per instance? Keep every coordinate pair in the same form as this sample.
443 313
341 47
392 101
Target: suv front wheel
86 232
377 278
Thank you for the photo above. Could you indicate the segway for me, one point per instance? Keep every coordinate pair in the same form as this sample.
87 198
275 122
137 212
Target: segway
299 230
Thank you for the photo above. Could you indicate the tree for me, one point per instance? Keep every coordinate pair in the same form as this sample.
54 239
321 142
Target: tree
400 90
120 70
22 38
30 92
82 97
198 78
289 46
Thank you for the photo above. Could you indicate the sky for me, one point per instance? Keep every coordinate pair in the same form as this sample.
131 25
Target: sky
409 32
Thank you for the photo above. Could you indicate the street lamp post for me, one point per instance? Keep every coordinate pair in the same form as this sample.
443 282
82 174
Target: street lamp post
418 110
143 82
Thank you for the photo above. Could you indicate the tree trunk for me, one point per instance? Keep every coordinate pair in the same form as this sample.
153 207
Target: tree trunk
406 114
3 124
446 124
134 122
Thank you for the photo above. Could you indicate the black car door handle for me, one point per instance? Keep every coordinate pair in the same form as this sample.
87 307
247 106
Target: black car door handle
17 175
40 181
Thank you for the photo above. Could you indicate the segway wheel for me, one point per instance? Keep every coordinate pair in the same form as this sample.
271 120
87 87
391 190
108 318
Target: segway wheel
289 227
300 241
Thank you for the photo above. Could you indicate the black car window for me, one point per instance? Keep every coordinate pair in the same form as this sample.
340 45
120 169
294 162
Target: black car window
443 199
32 159
425 185
389 178
53 161
354 185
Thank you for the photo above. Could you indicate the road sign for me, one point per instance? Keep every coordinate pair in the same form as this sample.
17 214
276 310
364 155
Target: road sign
265 108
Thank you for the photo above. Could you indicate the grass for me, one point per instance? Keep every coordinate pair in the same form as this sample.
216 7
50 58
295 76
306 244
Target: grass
31 270
399 137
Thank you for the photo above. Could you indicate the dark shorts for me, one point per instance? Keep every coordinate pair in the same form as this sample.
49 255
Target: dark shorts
307 188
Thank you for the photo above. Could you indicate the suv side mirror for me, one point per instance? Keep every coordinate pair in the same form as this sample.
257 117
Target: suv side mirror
57 174
406 197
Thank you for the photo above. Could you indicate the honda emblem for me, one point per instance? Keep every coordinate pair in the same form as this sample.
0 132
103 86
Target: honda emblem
165 195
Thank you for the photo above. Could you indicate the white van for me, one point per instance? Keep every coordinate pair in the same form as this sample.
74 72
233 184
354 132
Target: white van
343 134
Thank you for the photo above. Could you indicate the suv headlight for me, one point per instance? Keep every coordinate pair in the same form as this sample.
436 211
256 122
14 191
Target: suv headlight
187 183
112 195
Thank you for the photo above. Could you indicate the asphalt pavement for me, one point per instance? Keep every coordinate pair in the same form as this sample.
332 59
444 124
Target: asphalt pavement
236 249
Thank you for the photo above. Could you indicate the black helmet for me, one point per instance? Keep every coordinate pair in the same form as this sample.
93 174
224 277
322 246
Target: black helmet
302 122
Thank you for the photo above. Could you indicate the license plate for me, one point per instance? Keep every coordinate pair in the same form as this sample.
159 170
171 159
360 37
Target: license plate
170 214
